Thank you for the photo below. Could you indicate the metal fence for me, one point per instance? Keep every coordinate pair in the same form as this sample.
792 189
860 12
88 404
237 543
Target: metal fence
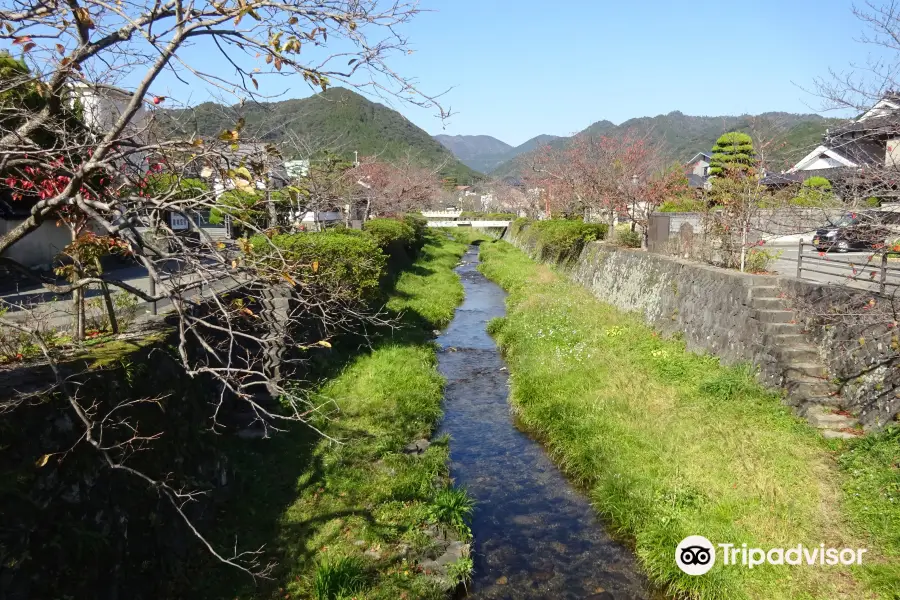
872 270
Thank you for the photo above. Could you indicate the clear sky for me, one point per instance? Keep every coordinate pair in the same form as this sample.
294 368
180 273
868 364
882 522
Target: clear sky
519 68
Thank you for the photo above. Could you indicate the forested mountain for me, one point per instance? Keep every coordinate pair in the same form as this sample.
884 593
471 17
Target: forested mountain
338 120
789 136
485 153
470 148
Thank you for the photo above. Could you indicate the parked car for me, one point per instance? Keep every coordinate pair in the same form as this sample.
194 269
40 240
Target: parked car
862 230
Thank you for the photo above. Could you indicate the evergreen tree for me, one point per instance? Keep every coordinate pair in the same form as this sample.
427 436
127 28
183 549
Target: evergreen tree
733 155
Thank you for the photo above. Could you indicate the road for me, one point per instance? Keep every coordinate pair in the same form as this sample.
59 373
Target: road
34 304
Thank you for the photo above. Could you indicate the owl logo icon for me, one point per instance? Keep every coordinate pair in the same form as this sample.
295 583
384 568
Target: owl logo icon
695 555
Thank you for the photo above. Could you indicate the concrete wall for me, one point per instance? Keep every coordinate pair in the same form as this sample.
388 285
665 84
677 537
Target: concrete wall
38 249
711 308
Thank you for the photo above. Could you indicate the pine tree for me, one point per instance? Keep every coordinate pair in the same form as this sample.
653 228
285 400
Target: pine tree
733 155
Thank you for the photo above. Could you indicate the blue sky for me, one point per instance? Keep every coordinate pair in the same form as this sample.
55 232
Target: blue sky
519 68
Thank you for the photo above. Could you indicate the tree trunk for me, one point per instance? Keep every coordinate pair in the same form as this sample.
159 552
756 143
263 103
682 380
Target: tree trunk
107 297
78 308
273 214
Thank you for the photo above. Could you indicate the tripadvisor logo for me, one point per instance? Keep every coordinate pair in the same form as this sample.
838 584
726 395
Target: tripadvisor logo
696 555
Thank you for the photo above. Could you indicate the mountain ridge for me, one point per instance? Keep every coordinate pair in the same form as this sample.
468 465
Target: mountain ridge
484 153
793 135
338 120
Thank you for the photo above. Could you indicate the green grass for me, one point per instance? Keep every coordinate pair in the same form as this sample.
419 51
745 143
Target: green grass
872 490
339 578
348 518
430 289
669 444
452 507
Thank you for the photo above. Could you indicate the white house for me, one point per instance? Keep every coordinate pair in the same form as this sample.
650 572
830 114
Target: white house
872 139
822 158
103 106
699 165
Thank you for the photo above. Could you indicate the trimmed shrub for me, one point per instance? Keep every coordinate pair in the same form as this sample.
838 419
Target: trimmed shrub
732 153
390 232
468 215
563 239
518 224
818 183
815 193
351 264
628 239
676 205
419 226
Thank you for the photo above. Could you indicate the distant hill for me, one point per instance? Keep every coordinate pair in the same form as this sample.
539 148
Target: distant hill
682 136
485 153
338 119
471 149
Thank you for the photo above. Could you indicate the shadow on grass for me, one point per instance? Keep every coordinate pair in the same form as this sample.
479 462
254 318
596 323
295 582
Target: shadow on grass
270 475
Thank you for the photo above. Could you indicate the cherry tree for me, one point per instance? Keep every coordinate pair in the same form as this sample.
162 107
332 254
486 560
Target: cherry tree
79 139
396 187
606 175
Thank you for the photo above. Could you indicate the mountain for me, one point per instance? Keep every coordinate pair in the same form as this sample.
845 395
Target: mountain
468 147
338 120
485 153
682 136
535 142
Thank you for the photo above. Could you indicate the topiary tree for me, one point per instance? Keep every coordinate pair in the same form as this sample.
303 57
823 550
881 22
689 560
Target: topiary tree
815 193
733 154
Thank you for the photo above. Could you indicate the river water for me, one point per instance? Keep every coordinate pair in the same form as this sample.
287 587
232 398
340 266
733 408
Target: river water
535 535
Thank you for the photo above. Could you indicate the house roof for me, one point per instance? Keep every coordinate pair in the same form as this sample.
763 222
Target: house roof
255 152
889 103
694 159
785 179
817 153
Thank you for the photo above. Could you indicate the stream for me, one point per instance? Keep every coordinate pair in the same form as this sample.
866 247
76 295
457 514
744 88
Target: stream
536 536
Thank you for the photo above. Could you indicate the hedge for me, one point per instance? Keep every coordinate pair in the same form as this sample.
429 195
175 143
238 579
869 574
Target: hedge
562 239
483 216
351 264
391 232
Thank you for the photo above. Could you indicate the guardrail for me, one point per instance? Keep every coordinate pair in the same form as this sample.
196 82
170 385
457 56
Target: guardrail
870 272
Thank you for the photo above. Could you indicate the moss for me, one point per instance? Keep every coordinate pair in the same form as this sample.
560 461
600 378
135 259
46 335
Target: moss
107 353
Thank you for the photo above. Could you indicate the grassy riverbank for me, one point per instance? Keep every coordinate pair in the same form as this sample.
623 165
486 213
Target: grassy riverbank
350 519
670 444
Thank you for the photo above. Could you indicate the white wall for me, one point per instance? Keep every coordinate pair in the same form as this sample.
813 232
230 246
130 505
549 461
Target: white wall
823 162
38 249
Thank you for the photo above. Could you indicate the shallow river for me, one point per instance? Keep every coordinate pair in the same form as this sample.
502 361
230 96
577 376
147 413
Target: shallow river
536 536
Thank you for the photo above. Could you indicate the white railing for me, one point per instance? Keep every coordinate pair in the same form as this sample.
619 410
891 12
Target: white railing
480 224
441 214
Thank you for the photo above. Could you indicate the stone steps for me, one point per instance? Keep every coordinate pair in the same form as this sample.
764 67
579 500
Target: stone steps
767 303
808 369
768 315
805 377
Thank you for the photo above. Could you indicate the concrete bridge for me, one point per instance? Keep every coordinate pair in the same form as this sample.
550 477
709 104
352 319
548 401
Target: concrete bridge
478 224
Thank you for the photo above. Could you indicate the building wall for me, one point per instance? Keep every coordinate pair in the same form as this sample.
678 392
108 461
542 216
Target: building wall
823 162
892 152
700 168
104 106
39 249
